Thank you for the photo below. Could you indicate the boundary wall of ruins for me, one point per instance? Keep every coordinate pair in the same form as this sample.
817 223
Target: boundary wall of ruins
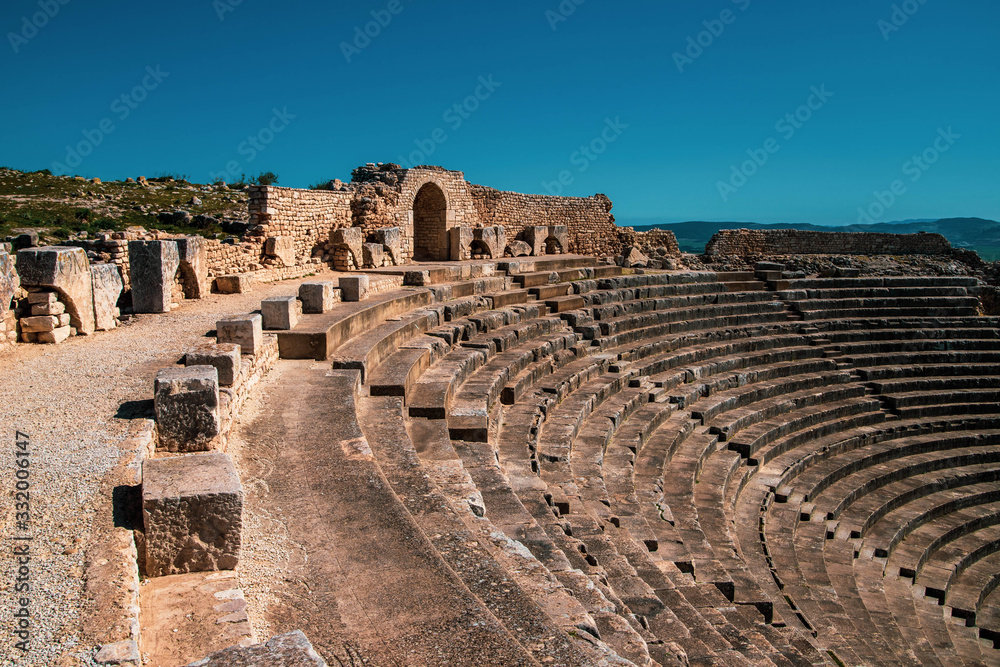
796 242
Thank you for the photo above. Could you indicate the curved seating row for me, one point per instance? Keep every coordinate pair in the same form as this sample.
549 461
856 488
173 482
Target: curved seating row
705 468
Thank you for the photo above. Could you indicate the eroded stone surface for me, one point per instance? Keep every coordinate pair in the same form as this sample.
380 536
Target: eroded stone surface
280 312
354 288
237 283
247 331
288 650
108 288
66 270
187 408
191 507
373 255
317 297
281 247
9 281
391 239
152 268
193 256
224 357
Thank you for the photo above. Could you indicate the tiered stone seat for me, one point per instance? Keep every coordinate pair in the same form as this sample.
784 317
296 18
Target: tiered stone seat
694 465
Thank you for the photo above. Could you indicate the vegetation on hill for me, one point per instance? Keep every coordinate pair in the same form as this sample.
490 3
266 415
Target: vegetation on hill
62 206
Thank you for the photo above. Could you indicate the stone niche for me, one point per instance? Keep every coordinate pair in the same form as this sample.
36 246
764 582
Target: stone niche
391 240
67 271
192 514
346 244
477 242
547 239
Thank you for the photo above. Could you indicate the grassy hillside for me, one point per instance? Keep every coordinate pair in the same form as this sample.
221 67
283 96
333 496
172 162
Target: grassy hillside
67 205
977 234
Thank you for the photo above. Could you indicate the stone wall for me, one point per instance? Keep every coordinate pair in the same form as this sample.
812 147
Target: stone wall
307 216
650 241
592 230
795 242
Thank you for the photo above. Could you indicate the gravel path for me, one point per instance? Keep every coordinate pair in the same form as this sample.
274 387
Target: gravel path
66 398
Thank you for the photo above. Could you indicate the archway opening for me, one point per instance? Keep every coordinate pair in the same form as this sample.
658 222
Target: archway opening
552 246
479 250
430 223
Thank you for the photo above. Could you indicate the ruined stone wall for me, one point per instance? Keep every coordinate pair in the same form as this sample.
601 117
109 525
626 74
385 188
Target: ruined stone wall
650 241
796 242
592 230
307 216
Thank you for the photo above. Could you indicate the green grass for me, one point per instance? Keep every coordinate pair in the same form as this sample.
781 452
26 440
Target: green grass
64 206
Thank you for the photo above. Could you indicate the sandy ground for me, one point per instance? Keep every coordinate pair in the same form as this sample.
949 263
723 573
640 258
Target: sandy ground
77 401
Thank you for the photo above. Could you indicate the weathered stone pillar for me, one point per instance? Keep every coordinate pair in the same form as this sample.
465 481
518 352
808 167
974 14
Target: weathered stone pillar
317 297
66 270
152 268
280 312
192 512
193 257
108 288
187 408
247 331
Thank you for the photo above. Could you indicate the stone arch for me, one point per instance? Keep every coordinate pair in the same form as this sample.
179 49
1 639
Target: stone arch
553 246
479 249
430 223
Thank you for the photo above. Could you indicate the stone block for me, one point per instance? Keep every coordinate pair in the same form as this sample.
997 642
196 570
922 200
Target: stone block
350 238
492 240
152 268
55 308
243 330
39 323
353 288
282 247
634 258
547 239
57 335
191 509
25 240
193 256
459 240
372 255
391 239
187 408
518 249
317 297
10 281
280 312
67 271
417 278
288 650
46 298
237 283
224 357
108 288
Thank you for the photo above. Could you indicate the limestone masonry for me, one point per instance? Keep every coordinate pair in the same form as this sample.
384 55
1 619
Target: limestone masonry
796 242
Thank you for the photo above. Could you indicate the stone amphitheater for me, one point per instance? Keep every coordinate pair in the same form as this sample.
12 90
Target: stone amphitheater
473 427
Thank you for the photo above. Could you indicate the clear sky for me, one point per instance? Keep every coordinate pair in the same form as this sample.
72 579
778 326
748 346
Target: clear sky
728 110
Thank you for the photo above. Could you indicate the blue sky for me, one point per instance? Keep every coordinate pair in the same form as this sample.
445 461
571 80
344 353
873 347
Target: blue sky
729 110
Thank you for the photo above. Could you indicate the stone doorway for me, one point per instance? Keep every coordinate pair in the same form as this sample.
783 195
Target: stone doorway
430 224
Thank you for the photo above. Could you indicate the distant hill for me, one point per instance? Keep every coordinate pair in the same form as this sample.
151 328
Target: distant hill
977 234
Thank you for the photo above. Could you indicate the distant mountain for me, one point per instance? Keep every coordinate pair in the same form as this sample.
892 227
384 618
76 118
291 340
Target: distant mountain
973 233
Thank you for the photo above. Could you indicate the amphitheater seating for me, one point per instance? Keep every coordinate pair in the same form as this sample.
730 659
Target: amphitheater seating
700 466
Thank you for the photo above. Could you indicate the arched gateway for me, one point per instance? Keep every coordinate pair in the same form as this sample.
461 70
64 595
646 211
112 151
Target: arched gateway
430 224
